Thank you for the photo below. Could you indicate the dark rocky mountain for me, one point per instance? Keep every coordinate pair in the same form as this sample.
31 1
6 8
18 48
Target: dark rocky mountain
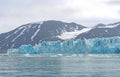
34 33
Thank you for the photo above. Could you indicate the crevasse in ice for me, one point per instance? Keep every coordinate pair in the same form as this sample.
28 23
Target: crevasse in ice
86 46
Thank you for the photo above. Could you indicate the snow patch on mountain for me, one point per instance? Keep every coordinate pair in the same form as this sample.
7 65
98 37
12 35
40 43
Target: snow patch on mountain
71 35
22 32
109 26
35 34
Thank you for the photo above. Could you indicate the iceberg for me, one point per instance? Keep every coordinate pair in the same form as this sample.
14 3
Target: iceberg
80 46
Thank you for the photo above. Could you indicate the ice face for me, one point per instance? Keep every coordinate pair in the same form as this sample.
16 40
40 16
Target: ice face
27 49
86 46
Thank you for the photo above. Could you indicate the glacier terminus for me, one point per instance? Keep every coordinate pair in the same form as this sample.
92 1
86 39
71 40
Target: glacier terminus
80 46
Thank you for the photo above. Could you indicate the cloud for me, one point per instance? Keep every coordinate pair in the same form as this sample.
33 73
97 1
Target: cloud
114 2
17 12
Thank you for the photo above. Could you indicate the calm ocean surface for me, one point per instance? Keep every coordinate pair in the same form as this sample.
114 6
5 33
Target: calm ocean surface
60 66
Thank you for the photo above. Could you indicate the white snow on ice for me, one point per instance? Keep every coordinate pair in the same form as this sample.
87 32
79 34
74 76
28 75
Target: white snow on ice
70 35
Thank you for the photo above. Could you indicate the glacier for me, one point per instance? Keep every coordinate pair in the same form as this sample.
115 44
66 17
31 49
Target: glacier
80 46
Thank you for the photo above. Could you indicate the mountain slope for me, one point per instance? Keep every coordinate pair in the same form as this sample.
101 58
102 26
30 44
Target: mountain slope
34 33
102 30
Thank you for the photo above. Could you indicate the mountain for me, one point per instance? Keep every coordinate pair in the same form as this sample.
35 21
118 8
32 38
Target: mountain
102 30
34 33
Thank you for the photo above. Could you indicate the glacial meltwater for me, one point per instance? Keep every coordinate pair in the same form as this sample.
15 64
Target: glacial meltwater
60 66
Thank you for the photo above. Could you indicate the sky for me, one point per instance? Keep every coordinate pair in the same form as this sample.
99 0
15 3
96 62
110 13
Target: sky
14 13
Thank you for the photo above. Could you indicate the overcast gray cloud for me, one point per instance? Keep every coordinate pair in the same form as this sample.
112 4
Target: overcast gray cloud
86 12
114 2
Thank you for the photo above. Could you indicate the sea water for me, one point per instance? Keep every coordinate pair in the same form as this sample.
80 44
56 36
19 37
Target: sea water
60 66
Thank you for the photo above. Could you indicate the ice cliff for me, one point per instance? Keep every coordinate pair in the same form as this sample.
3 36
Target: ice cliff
86 46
